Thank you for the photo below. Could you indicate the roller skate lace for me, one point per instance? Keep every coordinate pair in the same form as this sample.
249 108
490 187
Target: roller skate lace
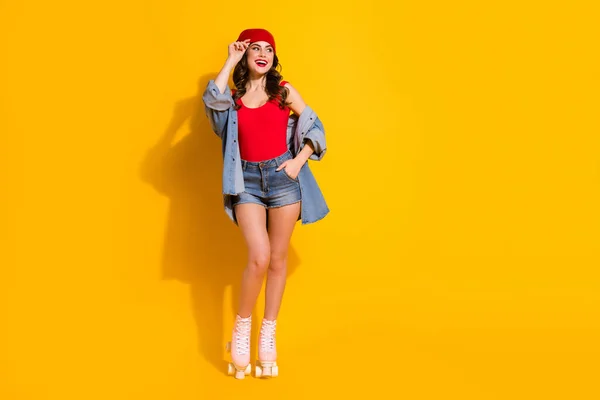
267 331
242 337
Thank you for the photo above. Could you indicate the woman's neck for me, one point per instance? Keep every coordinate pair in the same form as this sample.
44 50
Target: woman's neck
256 83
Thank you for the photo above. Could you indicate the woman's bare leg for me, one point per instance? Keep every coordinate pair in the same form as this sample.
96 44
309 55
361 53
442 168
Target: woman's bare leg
252 222
282 221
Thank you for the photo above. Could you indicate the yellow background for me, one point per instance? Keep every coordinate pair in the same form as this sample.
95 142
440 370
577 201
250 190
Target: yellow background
459 261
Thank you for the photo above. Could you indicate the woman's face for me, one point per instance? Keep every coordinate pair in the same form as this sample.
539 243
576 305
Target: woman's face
260 57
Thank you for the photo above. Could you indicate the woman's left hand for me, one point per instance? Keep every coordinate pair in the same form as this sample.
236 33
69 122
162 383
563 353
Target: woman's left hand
292 167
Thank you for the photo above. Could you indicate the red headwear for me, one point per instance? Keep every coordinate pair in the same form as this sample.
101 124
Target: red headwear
257 35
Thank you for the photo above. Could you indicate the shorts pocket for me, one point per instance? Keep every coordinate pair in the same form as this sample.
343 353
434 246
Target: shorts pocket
289 177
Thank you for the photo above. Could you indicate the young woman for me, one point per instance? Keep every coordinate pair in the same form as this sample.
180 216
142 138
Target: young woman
267 184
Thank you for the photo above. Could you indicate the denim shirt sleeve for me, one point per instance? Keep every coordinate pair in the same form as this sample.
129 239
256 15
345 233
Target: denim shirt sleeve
316 136
216 106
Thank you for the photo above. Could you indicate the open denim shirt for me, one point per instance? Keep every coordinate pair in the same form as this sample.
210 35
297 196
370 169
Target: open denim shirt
305 127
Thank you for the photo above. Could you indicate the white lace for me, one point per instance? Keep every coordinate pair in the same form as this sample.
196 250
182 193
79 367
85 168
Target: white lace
267 332
242 337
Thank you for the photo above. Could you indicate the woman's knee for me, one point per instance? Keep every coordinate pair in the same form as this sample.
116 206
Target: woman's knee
278 262
259 261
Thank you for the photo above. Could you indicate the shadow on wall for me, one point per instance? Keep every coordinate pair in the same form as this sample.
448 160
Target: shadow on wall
202 246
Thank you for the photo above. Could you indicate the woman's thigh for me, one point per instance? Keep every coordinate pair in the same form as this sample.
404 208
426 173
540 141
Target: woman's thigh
252 220
282 221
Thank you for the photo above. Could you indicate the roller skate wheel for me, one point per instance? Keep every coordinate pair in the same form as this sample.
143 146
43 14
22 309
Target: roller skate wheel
230 369
248 369
266 370
239 374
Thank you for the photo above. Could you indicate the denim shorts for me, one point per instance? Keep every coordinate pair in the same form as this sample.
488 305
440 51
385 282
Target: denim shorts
266 186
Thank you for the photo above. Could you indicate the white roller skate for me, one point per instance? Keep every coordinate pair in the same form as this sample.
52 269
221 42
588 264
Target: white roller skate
239 347
266 366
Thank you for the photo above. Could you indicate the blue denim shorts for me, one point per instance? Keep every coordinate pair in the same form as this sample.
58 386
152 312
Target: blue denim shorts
266 186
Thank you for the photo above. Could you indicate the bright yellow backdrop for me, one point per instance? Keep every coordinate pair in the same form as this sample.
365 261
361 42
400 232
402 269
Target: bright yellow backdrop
460 259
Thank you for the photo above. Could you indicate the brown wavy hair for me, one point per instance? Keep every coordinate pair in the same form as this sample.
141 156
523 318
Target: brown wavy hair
273 77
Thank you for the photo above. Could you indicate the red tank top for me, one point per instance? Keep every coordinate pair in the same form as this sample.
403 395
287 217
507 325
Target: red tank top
262 131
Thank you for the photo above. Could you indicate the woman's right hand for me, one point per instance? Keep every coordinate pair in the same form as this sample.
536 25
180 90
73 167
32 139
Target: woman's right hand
237 50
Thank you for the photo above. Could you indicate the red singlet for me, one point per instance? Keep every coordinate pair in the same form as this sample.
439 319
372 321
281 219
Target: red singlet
262 130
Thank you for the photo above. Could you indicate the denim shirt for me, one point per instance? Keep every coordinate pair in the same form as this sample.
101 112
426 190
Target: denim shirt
300 129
